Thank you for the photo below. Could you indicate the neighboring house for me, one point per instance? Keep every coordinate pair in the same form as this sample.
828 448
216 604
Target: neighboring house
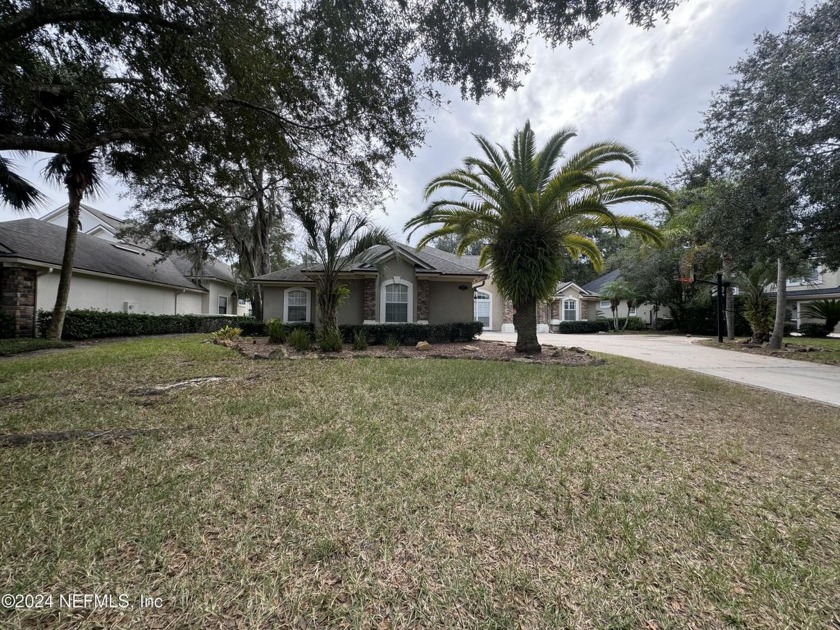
396 284
108 274
819 284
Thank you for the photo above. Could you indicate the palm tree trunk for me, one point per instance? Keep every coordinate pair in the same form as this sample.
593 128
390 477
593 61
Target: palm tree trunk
781 306
73 209
525 321
730 298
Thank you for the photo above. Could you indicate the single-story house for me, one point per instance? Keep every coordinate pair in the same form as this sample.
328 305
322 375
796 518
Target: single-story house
397 284
108 274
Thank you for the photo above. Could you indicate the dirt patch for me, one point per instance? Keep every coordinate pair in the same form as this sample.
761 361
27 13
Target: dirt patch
109 435
260 348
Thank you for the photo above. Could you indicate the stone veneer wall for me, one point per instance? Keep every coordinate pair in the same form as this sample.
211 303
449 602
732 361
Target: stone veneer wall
18 286
507 314
422 300
369 300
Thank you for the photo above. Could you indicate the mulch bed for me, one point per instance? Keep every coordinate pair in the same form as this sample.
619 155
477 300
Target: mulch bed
259 348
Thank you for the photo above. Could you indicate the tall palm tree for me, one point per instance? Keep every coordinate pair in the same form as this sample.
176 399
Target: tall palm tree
531 213
79 173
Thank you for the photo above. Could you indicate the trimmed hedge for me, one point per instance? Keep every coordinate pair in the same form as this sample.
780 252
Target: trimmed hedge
635 323
816 331
91 324
410 334
583 327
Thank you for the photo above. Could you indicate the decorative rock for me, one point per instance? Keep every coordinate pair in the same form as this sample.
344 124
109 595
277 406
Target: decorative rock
423 345
522 360
470 349
279 353
578 350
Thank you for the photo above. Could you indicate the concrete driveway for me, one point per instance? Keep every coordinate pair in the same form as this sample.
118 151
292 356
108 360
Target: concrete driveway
797 378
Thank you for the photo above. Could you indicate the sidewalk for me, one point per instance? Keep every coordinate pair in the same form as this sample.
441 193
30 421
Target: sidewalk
796 378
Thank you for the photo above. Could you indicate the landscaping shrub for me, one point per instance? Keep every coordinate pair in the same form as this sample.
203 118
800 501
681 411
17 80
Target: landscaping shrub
226 334
300 339
277 332
254 329
814 330
701 319
634 323
360 341
329 339
7 325
664 323
410 334
582 327
91 324
392 342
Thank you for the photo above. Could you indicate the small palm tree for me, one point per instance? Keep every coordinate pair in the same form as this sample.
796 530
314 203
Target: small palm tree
759 308
79 173
532 214
334 242
616 291
829 310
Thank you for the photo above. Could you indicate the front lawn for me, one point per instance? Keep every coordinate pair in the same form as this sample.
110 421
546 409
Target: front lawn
825 350
392 493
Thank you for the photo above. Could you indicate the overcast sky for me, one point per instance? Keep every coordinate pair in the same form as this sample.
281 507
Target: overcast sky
643 88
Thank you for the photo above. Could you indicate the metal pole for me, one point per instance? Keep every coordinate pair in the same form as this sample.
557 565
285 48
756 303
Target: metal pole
720 307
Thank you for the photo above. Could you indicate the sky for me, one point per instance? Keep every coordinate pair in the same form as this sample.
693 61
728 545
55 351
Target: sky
644 88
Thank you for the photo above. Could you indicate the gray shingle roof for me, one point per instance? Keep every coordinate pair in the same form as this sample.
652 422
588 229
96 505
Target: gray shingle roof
431 261
596 285
43 242
809 293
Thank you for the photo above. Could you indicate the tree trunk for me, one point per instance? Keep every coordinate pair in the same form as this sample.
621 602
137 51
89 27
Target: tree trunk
73 209
781 307
525 321
730 298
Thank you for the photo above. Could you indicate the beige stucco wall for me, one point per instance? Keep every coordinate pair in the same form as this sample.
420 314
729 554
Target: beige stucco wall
352 311
273 301
391 270
110 295
447 303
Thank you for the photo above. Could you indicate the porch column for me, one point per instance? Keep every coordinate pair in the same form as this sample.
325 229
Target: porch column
369 300
18 286
422 301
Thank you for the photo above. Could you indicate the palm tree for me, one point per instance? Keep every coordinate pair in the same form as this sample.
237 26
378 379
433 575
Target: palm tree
616 291
79 173
829 310
532 214
334 242
16 191
759 308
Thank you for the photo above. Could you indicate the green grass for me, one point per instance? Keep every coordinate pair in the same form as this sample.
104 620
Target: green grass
426 493
828 349
8 347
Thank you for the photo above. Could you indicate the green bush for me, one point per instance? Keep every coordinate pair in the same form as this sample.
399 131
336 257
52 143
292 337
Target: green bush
582 327
701 319
277 332
300 339
635 323
92 324
329 339
410 334
393 342
360 341
814 330
226 334
7 325
254 329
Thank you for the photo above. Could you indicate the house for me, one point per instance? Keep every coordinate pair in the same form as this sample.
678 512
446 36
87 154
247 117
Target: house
397 284
108 273
819 284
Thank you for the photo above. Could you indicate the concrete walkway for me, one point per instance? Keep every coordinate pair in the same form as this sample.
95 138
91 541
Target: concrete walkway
797 378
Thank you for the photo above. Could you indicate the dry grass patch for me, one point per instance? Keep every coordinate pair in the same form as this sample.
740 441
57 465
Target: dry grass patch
388 493
825 351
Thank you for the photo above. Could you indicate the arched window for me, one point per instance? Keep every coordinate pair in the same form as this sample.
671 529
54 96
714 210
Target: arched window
483 308
296 302
570 310
397 300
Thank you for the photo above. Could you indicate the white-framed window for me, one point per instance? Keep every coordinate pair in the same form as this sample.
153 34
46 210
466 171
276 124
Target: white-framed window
570 310
483 308
632 312
296 304
222 305
605 304
397 301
